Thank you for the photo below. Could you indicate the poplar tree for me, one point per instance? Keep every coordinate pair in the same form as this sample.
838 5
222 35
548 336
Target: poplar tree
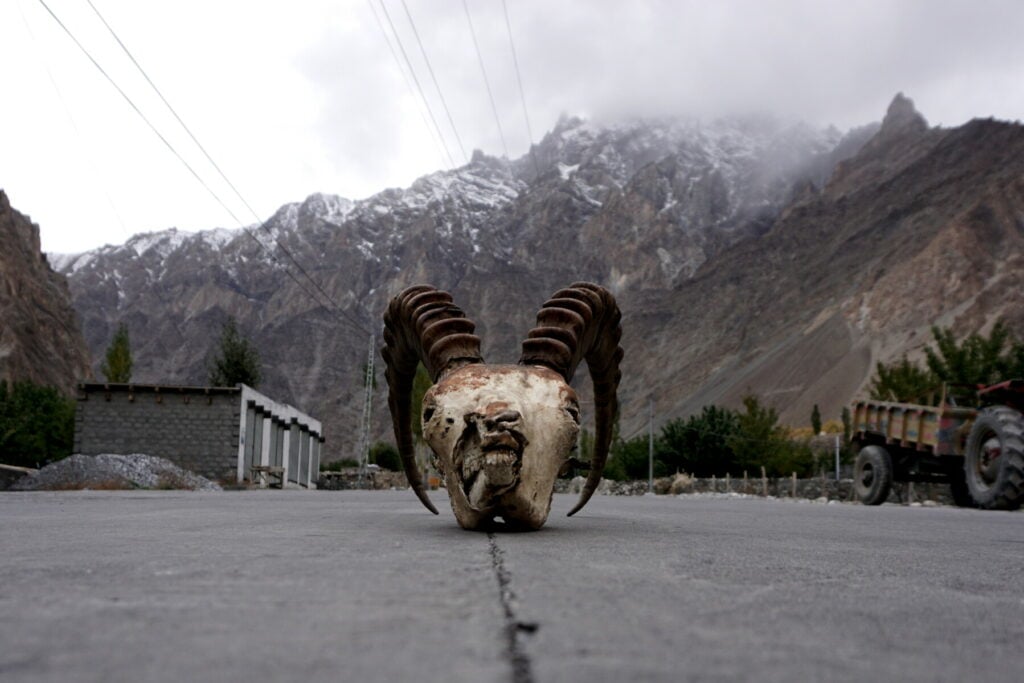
236 362
117 366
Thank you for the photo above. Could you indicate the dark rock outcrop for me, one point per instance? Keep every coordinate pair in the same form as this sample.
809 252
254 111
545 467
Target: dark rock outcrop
39 336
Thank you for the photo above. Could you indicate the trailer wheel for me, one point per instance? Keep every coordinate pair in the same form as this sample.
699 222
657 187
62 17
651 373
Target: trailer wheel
994 459
872 476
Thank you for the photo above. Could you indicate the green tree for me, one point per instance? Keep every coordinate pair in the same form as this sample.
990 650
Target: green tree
902 381
699 445
386 455
630 460
816 420
236 361
975 360
1013 362
37 424
760 441
117 366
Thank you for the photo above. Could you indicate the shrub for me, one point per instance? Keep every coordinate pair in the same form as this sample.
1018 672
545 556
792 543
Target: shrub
338 465
699 445
386 455
630 460
37 424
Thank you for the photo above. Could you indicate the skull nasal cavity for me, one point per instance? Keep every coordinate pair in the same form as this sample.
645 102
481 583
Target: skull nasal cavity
501 421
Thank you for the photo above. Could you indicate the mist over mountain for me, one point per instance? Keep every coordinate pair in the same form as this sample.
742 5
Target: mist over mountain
747 254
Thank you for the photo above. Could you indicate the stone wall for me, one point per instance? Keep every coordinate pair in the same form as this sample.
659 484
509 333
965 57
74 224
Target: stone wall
194 427
785 487
348 478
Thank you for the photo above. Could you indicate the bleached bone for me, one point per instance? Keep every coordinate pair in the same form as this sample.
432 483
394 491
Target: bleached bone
502 433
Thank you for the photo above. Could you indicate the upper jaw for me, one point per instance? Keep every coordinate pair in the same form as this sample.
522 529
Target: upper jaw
489 466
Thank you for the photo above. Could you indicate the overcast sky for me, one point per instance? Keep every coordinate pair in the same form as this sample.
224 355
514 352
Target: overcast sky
291 98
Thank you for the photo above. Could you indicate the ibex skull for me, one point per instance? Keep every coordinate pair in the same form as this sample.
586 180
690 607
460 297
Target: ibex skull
502 433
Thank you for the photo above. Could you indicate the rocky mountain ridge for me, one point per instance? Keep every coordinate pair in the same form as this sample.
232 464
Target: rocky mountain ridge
39 336
746 255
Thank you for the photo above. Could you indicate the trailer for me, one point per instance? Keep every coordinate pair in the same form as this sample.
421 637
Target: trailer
973 440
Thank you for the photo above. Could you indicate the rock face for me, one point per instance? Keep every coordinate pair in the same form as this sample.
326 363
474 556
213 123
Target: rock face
921 227
746 255
39 336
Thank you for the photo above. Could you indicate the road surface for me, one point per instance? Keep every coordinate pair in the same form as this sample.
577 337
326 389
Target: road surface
368 586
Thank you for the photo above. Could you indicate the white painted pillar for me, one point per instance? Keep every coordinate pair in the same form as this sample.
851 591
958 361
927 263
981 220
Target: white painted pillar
268 425
311 474
286 443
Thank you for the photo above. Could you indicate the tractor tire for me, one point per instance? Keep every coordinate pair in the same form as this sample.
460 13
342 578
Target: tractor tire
872 475
994 459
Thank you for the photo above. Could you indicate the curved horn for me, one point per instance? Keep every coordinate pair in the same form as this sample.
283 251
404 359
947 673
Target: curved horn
422 325
578 323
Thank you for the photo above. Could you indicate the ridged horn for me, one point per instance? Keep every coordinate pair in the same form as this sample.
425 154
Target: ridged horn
422 325
581 322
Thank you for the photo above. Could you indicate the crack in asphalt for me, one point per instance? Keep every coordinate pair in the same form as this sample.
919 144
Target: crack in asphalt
522 671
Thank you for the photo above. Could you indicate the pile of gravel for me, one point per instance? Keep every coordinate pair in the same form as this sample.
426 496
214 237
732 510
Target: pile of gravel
113 472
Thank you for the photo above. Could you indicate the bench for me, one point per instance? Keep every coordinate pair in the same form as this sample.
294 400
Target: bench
262 475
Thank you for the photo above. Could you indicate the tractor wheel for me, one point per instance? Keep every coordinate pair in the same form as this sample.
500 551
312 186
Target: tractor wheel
994 459
872 476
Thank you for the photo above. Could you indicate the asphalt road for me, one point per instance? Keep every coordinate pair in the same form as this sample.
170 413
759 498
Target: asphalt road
368 586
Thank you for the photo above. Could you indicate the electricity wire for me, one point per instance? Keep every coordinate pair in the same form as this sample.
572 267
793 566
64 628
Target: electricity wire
430 70
202 182
519 82
416 80
224 177
487 82
408 84
138 111
71 118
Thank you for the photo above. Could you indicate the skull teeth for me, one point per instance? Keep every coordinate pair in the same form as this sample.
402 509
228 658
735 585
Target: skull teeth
500 457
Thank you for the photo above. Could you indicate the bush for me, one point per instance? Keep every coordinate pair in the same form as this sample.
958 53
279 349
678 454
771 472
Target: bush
760 441
699 445
338 465
629 460
37 424
386 455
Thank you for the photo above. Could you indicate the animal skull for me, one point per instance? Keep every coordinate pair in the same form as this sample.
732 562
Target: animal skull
502 433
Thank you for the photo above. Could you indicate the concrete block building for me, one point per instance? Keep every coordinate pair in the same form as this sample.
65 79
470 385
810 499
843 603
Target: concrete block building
219 432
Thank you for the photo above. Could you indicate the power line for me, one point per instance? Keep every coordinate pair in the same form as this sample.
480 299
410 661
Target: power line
169 146
416 80
408 84
139 111
487 82
430 70
202 182
519 82
71 118
216 167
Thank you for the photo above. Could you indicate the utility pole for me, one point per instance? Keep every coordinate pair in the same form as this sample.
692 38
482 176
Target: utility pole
363 453
837 457
650 446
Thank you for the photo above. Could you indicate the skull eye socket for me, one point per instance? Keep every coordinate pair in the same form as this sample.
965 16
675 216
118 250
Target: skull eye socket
574 413
427 414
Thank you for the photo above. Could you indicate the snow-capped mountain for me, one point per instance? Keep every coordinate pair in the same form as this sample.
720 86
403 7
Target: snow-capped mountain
655 210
